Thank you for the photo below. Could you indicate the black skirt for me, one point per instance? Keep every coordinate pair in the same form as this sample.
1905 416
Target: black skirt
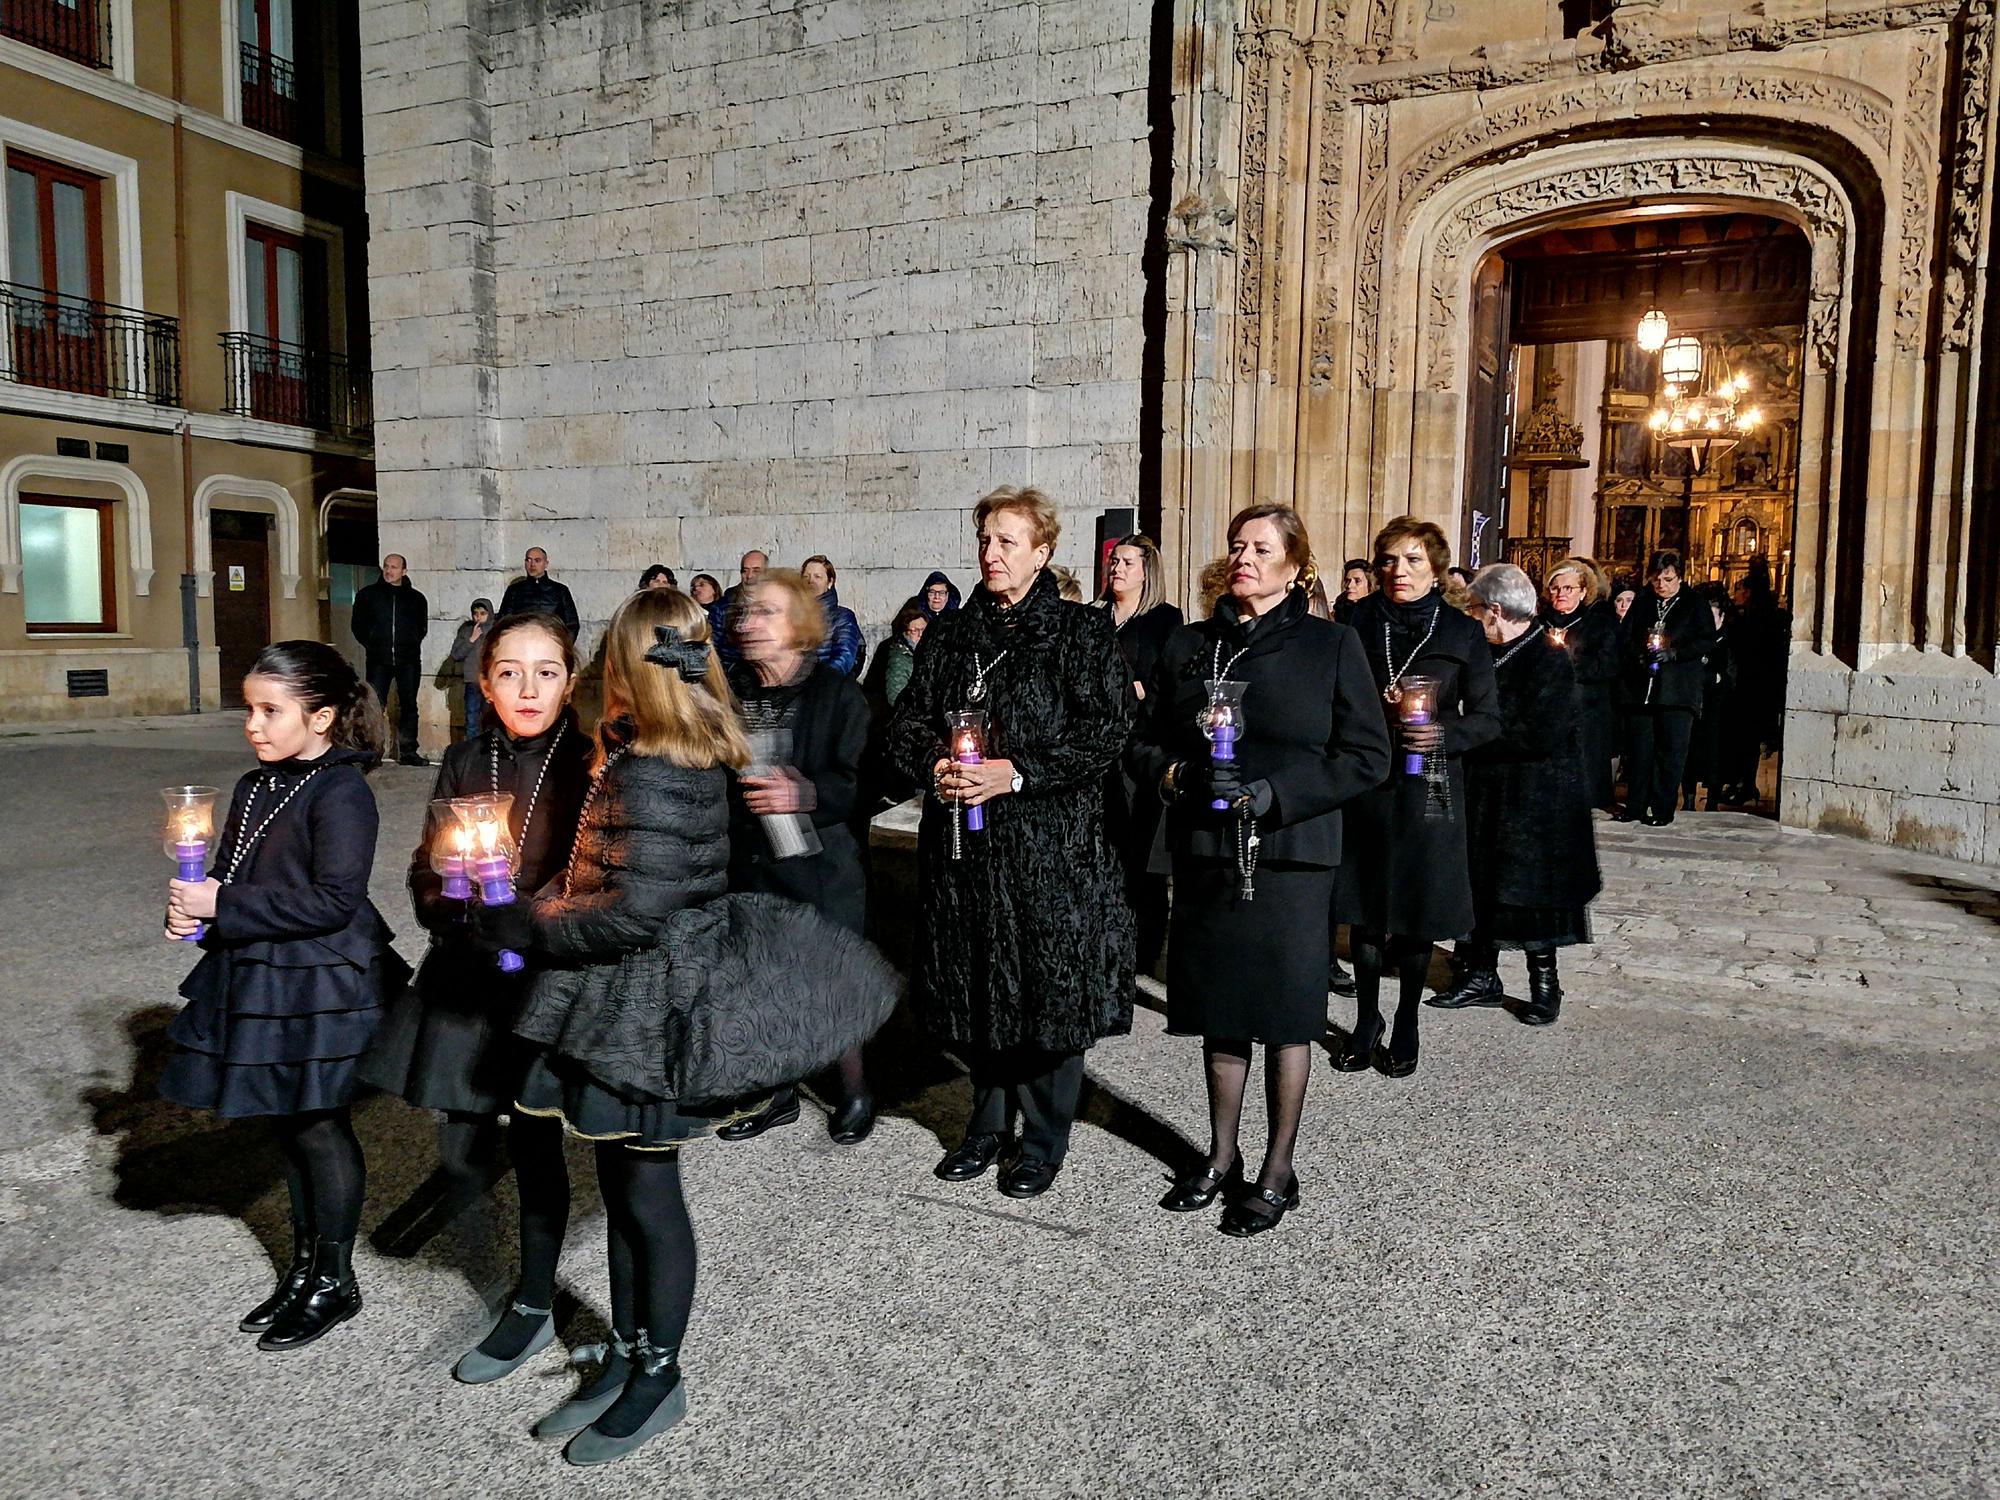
1403 870
1535 926
556 1088
1249 970
276 1038
452 1049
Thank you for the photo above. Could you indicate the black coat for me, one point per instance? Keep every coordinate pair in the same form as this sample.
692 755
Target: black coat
1590 635
1690 635
1528 818
1314 729
539 596
296 961
1404 869
1027 940
828 717
1133 809
646 963
390 621
447 1042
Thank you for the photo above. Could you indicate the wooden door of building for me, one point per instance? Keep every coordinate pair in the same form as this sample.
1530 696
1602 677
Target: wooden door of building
242 594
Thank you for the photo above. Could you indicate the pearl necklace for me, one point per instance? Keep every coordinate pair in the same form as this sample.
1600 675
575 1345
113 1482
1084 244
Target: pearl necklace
527 818
1393 693
1507 655
583 814
977 692
245 841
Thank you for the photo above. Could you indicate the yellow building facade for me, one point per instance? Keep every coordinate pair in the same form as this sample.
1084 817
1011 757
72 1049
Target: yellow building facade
186 459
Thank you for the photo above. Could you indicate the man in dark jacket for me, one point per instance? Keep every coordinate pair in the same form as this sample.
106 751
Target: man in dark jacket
1668 636
538 592
390 620
748 568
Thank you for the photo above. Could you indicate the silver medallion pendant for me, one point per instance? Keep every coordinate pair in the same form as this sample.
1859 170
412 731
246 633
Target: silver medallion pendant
977 692
1392 694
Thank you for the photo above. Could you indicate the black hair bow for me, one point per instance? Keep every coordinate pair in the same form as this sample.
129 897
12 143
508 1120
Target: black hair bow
685 657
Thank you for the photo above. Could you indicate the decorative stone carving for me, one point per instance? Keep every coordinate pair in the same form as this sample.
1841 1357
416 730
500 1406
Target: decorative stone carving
1783 92
1251 50
1920 132
1968 173
1795 184
1329 98
1368 296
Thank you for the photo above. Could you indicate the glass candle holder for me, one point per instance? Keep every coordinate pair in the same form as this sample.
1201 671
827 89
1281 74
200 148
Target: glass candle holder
491 849
1417 707
190 832
1222 722
965 729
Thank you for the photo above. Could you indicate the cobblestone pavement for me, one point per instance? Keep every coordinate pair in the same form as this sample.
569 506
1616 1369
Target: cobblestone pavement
1727 1230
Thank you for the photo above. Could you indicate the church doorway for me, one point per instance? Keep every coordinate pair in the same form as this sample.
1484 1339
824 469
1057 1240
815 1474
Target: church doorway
1635 387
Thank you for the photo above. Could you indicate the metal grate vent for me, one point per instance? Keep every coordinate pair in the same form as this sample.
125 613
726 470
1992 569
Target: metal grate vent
95 683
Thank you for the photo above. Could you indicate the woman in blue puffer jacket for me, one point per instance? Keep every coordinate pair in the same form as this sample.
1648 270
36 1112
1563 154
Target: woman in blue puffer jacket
842 648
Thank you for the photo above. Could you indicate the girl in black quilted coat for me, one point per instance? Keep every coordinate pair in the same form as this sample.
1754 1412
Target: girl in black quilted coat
295 967
447 1042
1024 947
641 968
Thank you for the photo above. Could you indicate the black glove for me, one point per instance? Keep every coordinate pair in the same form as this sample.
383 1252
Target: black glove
496 927
1223 783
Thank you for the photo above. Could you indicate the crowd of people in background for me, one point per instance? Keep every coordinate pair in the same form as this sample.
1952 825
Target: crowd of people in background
1411 760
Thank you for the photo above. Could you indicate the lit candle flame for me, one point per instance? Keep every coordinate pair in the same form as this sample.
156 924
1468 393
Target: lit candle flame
489 834
462 838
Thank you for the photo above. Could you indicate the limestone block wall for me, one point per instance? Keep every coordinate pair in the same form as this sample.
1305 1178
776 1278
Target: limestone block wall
666 282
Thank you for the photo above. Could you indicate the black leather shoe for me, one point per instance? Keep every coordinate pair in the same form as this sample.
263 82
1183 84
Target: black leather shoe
1355 1053
1201 1187
1242 1221
1389 1065
412 760
329 1298
1028 1178
850 1124
969 1159
782 1110
1545 996
1339 980
265 1313
1475 987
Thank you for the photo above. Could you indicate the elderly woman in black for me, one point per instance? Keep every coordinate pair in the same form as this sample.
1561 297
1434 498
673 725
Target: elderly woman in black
1135 595
1403 882
1668 635
1577 618
1534 870
1242 971
789 812
1024 942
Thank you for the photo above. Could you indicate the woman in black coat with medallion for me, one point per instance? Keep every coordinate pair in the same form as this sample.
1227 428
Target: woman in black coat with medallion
1668 636
1534 871
808 724
1239 970
447 1042
1403 883
1024 945
1576 619
1135 595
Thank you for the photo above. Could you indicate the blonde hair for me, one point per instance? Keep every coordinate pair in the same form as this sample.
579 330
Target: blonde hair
1067 585
802 606
1154 590
692 724
1030 502
1586 574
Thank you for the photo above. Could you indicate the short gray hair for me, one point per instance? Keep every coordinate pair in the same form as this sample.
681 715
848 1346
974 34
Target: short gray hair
1504 588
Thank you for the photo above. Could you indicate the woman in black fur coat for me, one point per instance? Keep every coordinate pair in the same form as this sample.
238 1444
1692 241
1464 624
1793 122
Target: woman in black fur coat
816 720
1024 945
1527 810
1577 621
448 1042
1243 971
1403 883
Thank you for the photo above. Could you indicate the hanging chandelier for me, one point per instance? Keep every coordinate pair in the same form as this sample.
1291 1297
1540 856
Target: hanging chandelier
1652 336
1703 424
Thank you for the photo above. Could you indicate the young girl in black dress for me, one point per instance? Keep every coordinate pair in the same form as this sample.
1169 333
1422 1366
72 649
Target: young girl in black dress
447 1042
288 993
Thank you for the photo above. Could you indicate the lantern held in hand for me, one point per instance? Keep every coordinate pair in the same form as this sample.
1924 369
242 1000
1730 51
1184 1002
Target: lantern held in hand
190 831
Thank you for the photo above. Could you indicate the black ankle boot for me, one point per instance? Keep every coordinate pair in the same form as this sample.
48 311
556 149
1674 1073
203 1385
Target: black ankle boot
1476 981
1545 996
329 1298
290 1284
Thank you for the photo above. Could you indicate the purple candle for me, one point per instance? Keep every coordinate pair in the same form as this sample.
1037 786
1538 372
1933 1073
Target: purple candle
457 884
1414 709
496 888
968 755
191 855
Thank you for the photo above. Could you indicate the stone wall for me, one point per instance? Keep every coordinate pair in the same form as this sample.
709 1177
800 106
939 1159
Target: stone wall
664 282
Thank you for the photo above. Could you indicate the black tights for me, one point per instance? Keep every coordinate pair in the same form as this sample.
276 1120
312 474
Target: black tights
468 1145
1285 1072
324 1171
1373 953
651 1243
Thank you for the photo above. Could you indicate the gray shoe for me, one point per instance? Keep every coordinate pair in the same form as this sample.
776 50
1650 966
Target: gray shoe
590 1446
477 1368
580 1410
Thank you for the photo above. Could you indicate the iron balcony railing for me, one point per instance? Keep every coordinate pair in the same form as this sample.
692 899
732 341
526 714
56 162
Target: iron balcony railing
74 344
77 29
270 93
279 382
